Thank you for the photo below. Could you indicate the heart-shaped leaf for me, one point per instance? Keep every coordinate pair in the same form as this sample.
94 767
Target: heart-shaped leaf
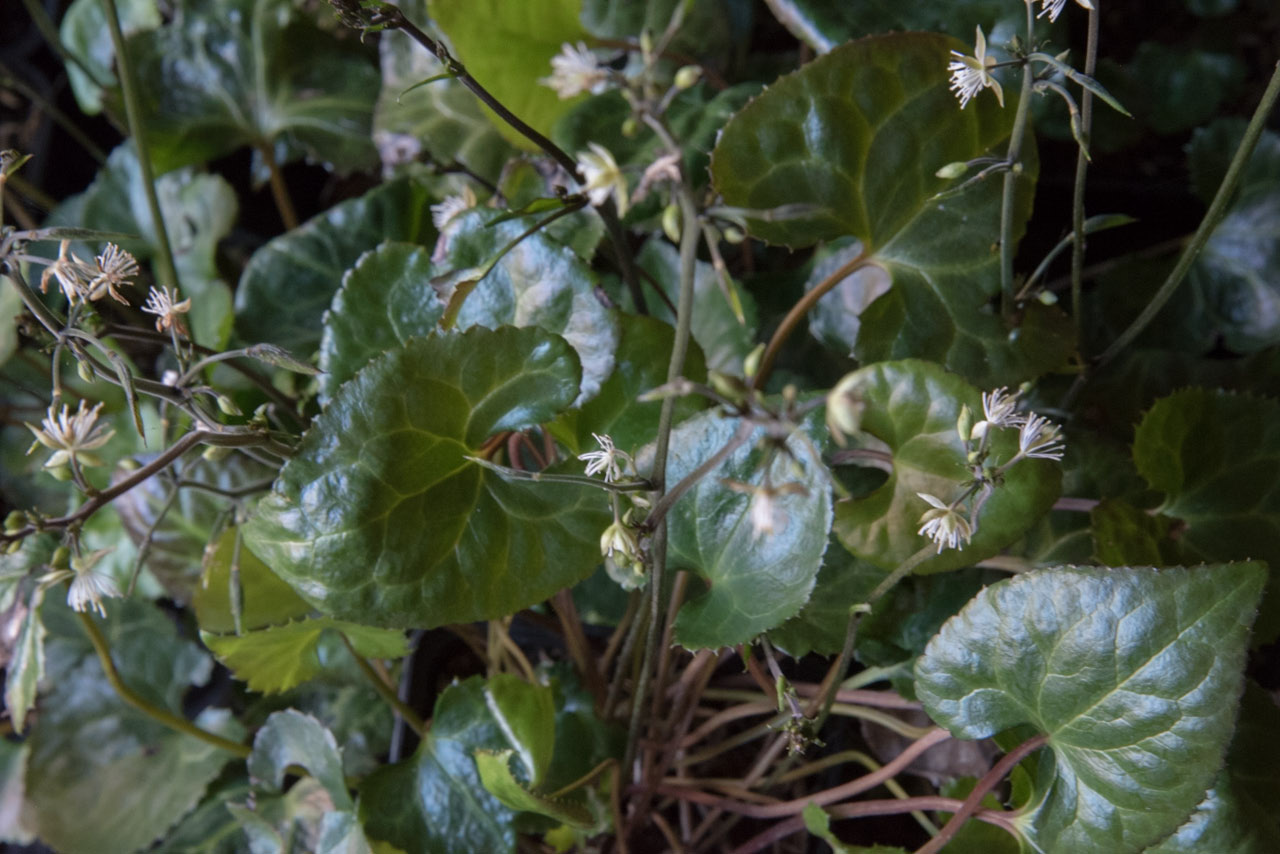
912 407
824 26
380 518
229 73
1132 673
292 738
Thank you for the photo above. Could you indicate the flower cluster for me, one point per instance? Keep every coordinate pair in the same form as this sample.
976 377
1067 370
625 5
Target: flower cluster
84 282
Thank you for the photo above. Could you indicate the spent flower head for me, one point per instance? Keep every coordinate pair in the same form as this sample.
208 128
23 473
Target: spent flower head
608 459
944 525
71 273
971 74
168 311
115 267
1053 8
602 177
71 436
575 70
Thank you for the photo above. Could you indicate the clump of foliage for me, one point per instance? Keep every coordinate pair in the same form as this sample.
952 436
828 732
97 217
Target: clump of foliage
504 505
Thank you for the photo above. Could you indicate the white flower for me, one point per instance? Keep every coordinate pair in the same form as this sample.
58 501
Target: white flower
971 74
88 588
1040 439
161 303
602 177
944 525
618 543
762 512
576 70
115 268
70 437
451 206
1000 409
608 459
1053 8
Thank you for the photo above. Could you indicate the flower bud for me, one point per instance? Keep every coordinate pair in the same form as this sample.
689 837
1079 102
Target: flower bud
13 548
844 410
630 127
671 222
216 453
688 76
228 406
734 235
15 522
751 364
964 424
85 371
61 558
62 473
646 41
952 170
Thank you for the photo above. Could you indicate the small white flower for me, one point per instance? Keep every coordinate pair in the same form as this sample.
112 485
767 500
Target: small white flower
602 177
71 437
971 74
762 513
115 268
1000 409
1053 8
451 206
619 544
1041 439
88 588
576 70
944 525
161 302
608 459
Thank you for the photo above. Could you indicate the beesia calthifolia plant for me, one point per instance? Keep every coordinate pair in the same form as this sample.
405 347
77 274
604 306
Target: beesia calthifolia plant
503 467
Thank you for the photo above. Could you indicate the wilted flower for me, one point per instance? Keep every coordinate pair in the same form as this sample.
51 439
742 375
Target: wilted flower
576 70
665 168
71 437
1053 8
72 274
762 512
161 303
1040 438
603 177
115 268
944 525
608 459
971 74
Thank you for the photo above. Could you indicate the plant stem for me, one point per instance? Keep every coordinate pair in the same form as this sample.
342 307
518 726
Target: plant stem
167 273
1082 171
50 32
1009 195
279 190
1217 210
386 692
158 714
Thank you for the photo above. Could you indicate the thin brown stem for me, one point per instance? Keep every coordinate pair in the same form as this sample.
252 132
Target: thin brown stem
386 691
579 648
279 190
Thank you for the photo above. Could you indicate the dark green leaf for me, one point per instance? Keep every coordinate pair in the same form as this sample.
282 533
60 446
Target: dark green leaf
495 774
289 282
380 518
34 552
267 601
292 738
843 582
210 827
25 667
1181 87
84 33
1211 149
10 307
1123 535
1133 674
434 802
823 25
755 580
277 658
230 73
912 407
530 33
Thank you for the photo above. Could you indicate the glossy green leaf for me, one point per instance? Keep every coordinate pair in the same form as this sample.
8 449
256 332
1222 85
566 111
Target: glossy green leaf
859 135
277 658
434 802
283 824
836 319
266 599
230 73
823 26
640 365
210 828
526 714
25 666
290 281
292 738
380 518
750 581
443 117
495 774
1132 673
978 837
1124 535
912 407
531 33
389 298
103 776
83 32
708 30
843 582
1216 457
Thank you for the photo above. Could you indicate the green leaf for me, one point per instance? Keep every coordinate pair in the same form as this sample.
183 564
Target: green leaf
526 714
434 802
277 658
443 117
1181 87
13 773
210 828
1216 457
912 407
84 33
835 320
495 774
89 740
859 134
1132 673
530 34
1210 151
640 365
34 552
290 281
754 582
25 667
538 283
292 738
267 600
380 518
1124 535
823 26
10 307
843 582
231 73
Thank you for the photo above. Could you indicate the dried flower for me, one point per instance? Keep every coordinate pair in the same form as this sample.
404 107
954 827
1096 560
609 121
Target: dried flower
971 74
944 525
1053 8
71 437
762 512
602 177
72 275
161 303
1041 439
115 268
576 70
451 206
665 168
608 459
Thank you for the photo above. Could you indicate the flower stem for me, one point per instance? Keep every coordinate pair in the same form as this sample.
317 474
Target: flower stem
1082 171
279 190
129 696
1010 191
386 692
